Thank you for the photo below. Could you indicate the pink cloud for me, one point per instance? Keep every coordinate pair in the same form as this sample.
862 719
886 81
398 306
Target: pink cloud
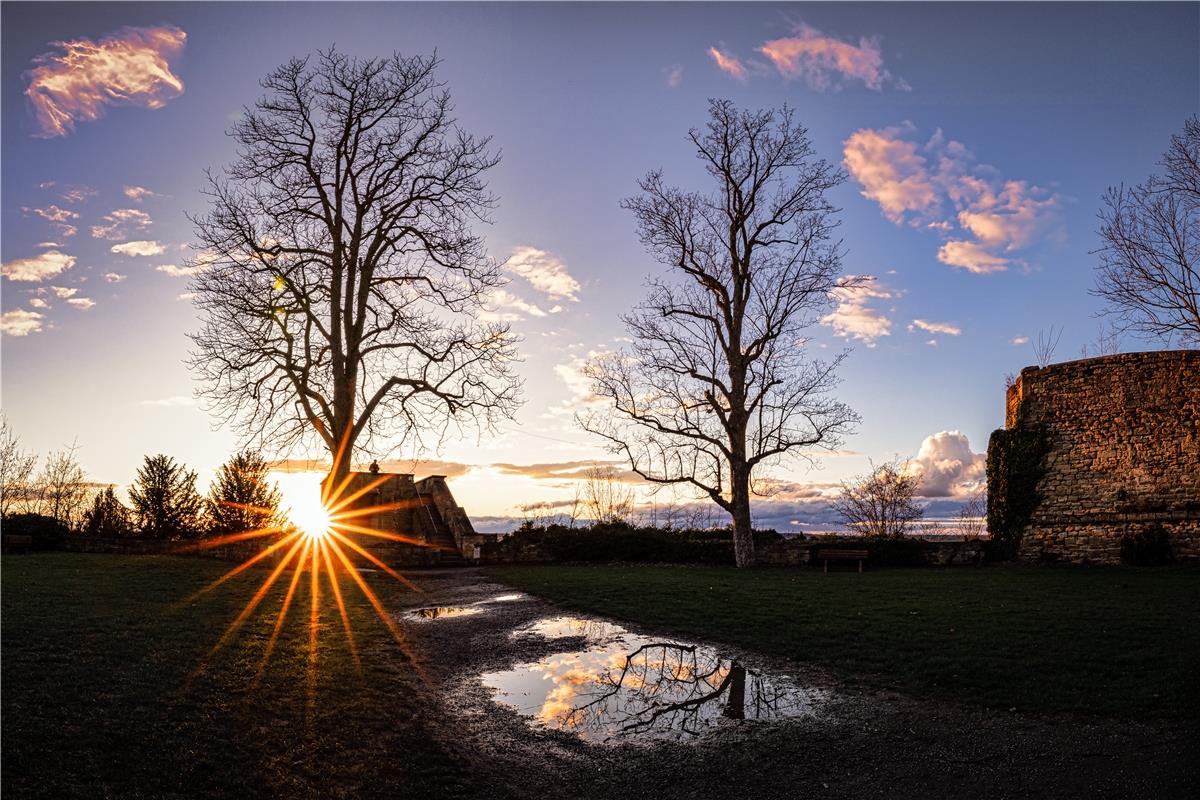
727 63
821 61
129 68
891 170
971 256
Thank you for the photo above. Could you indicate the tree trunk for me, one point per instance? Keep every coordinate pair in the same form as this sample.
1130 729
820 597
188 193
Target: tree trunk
743 530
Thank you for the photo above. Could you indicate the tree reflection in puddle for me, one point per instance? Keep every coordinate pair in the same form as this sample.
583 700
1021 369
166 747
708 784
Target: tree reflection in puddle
625 686
441 612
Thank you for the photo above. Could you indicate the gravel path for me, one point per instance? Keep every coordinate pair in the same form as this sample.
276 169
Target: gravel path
864 744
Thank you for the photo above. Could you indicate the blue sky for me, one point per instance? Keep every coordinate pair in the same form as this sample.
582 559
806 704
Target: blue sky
977 136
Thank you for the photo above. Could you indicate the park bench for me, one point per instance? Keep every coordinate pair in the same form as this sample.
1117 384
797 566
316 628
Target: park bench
827 554
13 541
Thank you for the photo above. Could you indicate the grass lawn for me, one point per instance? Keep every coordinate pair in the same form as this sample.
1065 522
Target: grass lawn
1111 641
100 696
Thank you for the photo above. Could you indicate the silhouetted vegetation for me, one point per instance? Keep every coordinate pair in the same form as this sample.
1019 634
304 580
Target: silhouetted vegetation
621 541
240 498
1148 547
108 516
165 502
45 532
1015 464
880 504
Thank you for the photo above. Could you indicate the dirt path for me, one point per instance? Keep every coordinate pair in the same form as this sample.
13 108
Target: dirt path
863 744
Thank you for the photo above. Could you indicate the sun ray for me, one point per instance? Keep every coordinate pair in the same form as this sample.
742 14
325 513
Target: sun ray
256 599
395 537
336 506
314 619
283 610
374 560
217 541
245 565
341 603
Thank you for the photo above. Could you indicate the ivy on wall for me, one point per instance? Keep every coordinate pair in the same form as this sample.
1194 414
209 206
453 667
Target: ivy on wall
1015 463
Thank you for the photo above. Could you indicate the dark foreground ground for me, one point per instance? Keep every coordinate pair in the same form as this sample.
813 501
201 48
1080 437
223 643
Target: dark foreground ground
110 689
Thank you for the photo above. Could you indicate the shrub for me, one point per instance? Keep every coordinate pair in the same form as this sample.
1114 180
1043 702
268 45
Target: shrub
1147 547
46 532
1015 463
621 542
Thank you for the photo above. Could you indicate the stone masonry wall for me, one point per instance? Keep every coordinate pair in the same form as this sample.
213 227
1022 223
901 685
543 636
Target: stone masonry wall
1124 455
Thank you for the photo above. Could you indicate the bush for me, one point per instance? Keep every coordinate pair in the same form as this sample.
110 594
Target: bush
1147 547
1015 463
46 532
618 541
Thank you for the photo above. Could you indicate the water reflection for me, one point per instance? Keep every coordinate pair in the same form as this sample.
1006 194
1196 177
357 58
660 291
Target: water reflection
440 612
627 686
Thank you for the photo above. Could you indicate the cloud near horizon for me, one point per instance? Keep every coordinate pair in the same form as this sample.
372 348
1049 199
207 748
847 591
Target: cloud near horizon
131 67
947 466
938 186
823 62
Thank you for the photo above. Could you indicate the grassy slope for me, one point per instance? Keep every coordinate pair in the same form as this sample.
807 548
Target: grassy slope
97 699
1122 642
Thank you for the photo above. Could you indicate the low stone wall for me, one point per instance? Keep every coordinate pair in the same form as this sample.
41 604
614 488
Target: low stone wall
799 553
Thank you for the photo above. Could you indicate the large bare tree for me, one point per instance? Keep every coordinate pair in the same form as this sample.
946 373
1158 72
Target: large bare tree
338 271
716 383
1149 270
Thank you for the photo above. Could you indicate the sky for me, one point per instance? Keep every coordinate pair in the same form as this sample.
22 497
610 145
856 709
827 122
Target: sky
977 141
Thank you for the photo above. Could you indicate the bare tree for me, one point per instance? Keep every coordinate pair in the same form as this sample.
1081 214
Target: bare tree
338 273
972 517
1149 270
61 488
606 499
882 502
1046 344
716 384
16 468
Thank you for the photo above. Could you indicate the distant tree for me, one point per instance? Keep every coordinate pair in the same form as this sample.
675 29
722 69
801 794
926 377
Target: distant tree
165 502
972 516
108 516
1046 344
881 503
61 488
1149 270
16 469
605 498
340 281
241 498
715 384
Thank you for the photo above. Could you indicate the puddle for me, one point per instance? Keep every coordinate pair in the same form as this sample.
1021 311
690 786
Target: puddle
505 598
629 687
442 612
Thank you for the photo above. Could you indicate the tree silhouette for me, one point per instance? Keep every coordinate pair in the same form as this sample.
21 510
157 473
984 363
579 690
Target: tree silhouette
108 516
240 498
715 385
165 502
1149 269
339 276
880 503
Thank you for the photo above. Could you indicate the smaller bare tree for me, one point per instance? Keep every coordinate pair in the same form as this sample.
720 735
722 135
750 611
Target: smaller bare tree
61 487
606 498
16 469
881 503
972 517
1046 344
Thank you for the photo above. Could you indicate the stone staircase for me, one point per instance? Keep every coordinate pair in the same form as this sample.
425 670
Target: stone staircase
442 537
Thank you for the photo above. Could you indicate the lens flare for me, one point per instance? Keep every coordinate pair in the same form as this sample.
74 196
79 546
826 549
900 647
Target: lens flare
302 507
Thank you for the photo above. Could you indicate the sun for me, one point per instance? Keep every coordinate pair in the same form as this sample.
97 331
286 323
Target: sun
302 507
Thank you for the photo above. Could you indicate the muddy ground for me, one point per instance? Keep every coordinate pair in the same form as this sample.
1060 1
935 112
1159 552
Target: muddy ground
865 743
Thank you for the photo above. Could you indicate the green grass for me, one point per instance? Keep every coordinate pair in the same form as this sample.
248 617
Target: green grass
100 696
1118 642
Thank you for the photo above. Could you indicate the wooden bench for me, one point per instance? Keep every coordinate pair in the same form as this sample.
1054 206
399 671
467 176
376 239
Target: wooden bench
14 541
827 554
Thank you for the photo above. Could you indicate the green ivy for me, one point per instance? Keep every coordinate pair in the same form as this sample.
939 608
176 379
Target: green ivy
1015 463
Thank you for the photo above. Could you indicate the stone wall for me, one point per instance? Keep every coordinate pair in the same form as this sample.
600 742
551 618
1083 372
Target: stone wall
1124 458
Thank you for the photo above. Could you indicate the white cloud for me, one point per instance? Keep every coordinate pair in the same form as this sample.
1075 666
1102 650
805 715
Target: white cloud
57 216
82 303
173 401
544 271
138 193
119 224
38 302
114 277
854 317
138 248
129 67
1017 341
971 256
504 306
20 322
176 271
947 466
824 61
946 328
38 268
728 63
674 75
63 292
186 296
914 183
